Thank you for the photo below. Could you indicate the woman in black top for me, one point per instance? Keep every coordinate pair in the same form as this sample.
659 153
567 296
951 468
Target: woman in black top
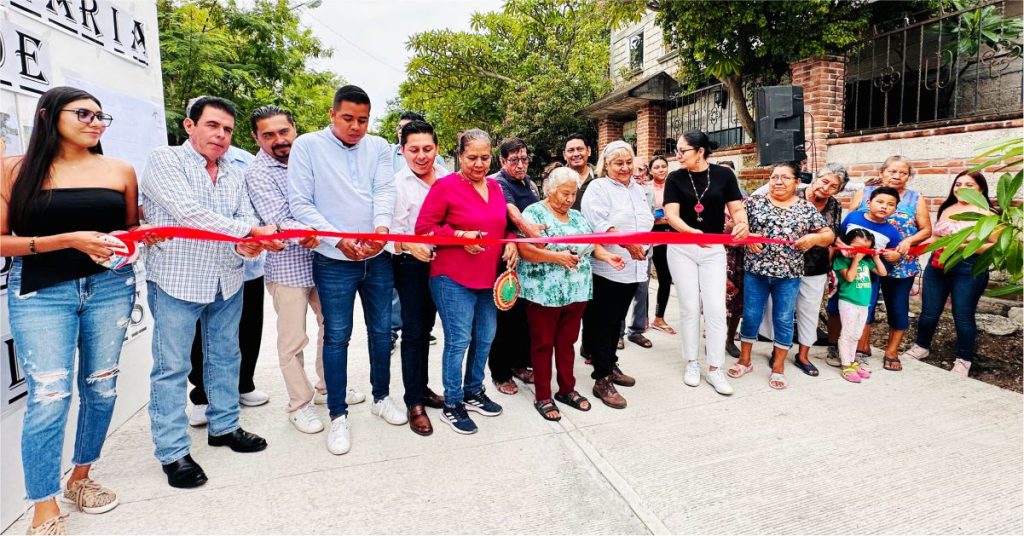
59 200
696 198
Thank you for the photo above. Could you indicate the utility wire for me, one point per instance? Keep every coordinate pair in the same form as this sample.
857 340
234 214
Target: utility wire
359 48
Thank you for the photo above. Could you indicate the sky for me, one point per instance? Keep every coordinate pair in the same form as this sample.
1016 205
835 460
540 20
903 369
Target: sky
369 36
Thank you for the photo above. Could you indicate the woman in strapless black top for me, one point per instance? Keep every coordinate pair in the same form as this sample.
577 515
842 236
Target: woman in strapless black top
57 201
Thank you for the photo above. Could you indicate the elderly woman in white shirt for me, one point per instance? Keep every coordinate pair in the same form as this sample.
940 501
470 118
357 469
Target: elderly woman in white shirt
614 202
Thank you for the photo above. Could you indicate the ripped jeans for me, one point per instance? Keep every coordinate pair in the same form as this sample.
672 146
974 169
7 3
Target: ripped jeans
90 315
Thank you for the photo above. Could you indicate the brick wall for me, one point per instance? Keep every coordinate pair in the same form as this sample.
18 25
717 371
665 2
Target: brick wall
936 154
650 130
822 80
608 130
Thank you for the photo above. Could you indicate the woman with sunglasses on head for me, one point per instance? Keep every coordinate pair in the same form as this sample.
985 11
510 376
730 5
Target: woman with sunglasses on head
59 201
958 282
696 199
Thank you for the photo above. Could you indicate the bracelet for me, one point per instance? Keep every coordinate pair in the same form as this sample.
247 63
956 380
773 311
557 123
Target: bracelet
32 246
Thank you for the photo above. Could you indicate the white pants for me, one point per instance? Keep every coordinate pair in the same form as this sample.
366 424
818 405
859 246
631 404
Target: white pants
808 306
699 276
854 318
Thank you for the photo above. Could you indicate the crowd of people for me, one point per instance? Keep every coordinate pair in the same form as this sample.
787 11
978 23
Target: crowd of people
63 199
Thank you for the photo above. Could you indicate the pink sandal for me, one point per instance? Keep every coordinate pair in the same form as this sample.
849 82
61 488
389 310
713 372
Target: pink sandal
738 370
664 328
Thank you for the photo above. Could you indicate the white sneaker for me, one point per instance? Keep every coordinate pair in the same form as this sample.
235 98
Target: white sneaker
339 439
386 409
692 375
305 420
253 398
961 367
717 379
351 397
197 417
915 352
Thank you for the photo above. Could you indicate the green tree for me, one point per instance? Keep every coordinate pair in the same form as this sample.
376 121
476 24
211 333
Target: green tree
730 41
253 55
524 71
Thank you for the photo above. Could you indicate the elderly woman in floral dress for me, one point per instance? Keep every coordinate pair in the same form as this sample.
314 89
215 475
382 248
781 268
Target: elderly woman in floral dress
557 283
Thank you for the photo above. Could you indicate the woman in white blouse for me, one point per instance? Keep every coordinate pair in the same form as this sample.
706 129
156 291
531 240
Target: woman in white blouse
614 202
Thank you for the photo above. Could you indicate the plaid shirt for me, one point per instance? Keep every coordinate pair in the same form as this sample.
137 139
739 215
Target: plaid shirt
267 180
176 190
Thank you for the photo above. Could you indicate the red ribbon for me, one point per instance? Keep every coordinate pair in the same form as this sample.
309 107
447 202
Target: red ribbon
614 238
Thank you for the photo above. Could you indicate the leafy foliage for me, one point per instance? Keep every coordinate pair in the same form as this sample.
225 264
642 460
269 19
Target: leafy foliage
974 34
1004 228
253 55
524 71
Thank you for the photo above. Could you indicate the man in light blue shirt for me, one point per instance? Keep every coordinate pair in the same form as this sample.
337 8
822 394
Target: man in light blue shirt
340 179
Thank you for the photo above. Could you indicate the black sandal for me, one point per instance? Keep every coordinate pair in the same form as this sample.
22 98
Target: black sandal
574 400
547 406
892 363
808 368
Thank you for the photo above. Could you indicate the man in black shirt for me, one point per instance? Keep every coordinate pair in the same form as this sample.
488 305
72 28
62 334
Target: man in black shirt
510 351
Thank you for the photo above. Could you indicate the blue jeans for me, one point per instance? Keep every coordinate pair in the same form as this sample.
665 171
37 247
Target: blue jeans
468 317
896 295
783 292
88 314
966 290
396 312
337 282
174 328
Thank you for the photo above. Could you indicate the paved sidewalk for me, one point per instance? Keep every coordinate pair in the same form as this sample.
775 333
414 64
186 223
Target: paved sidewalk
920 451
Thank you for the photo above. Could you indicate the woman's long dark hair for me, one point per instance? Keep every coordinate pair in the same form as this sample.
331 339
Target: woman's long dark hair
43 148
952 199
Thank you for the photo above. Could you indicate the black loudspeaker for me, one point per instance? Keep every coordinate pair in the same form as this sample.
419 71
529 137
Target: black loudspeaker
780 124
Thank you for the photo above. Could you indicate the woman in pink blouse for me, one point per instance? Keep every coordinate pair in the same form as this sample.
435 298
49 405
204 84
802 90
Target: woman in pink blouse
470 205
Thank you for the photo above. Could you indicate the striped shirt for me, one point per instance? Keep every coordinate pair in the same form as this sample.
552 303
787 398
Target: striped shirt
267 180
176 190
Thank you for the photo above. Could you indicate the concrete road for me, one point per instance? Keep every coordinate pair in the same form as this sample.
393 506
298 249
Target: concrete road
920 451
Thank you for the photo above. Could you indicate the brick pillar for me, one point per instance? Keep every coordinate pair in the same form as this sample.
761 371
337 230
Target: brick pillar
608 130
822 78
650 130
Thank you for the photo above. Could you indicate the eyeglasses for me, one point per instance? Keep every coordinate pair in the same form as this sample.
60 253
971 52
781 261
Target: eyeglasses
522 160
781 178
86 116
681 152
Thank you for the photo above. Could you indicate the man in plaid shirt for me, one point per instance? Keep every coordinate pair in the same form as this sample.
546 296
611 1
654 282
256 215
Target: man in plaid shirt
192 185
289 272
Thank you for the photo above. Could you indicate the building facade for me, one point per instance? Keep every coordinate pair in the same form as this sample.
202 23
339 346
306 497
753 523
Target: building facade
932 90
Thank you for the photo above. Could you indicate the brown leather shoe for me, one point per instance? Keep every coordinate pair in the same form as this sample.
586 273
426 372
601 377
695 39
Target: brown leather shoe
639 340
604 390
418 420
618 378
433 400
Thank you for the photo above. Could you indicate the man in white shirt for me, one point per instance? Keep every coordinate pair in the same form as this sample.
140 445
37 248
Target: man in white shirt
412 270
